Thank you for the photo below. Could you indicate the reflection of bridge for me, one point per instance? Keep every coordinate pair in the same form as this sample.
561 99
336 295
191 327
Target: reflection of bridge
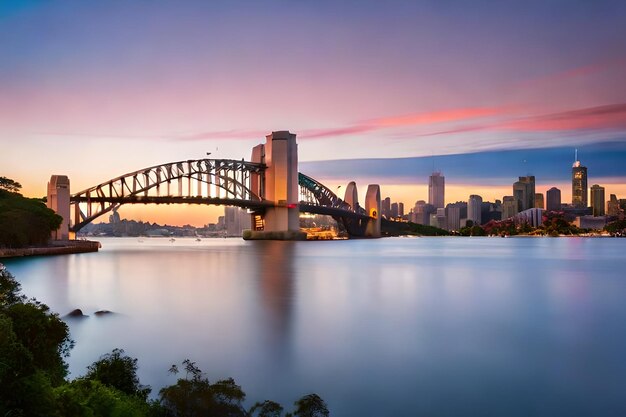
269 186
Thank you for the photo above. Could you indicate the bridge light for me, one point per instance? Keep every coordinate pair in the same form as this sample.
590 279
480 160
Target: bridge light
292 205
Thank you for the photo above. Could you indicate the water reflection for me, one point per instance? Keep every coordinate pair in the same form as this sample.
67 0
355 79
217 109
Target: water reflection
274 261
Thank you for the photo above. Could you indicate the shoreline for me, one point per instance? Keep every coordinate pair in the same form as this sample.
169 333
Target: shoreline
56 248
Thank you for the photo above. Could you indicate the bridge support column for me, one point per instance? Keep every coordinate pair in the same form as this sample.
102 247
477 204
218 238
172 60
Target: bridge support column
59 201
372 206
280 185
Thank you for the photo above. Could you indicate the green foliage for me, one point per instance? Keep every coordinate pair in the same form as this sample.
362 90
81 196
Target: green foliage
472 231
84 397
118 371
25 221
194 395
390 228
311 406
266 409
9 185
618 226
32 345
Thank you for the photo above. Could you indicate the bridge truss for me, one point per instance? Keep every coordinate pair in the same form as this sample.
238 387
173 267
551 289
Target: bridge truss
203 181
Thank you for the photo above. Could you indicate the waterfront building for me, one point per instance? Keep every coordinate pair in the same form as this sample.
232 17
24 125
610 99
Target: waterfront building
591 222
524 191
579 184
532 216
453 217
401 209
436 190
539 200
509 207
474 208
440 219
597 200
236 220
553 199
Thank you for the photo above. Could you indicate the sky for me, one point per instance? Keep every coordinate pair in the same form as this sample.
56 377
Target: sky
377 92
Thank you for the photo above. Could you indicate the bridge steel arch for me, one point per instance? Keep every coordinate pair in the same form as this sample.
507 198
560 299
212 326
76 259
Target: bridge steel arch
202 181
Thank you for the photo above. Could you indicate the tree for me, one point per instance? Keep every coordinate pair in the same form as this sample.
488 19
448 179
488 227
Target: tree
118 371
266 409
311 406
9 185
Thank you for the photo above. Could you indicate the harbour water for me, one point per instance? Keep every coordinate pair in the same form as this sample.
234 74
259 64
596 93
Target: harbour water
387 327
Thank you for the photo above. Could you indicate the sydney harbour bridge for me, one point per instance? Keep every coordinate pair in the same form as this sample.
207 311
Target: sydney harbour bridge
269 186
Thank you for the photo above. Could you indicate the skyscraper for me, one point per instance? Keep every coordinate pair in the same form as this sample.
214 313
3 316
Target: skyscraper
553 199
474 208
524 191
510 207
539 200
597 200
386 207
436 190
579 183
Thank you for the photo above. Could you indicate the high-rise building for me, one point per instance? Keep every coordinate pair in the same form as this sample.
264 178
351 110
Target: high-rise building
539 200
474 207
524 191
386 207
394 210
453 217
401 209
236 220
597 200
579 184
613 208
436 190
510 207
553 199
421 212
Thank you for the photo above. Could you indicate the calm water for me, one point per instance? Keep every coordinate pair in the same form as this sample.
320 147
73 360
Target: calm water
389 327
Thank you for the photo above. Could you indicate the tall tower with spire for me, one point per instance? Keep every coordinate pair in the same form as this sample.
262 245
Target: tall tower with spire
579 183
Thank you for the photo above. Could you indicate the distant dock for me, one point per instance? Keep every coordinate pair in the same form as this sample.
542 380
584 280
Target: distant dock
56 248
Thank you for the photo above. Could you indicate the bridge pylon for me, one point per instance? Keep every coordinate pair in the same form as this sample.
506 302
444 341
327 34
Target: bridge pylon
58 199
279 184
372 207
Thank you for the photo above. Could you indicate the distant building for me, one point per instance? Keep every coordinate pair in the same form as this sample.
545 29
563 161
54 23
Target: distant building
490 211
531 216
236 220
591 222
439 219
524 191
539 200
453 217
613 209
436 190
394 210
553 199
386 207
474 208
579 184
422 212
509 207
597 200
401 209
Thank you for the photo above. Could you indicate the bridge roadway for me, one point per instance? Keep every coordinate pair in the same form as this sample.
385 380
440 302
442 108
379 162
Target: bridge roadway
249 204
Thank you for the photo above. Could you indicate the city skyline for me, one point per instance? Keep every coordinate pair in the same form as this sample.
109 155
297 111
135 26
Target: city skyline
377 92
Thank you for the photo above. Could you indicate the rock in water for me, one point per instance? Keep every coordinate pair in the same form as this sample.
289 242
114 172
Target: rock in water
102 312
76 313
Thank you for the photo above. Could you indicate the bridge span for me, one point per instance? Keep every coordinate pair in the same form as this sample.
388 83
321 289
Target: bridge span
269 186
